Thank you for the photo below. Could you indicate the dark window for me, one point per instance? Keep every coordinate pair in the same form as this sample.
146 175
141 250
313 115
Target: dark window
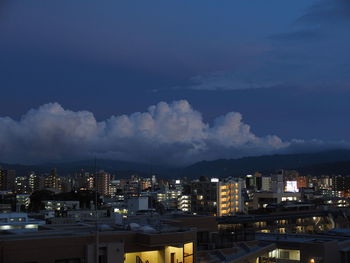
103 255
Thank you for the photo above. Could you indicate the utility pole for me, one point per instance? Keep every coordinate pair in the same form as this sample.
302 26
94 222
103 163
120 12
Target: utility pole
97 247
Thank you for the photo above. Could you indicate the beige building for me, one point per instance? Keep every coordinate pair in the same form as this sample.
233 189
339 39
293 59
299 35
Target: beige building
230 199
102 182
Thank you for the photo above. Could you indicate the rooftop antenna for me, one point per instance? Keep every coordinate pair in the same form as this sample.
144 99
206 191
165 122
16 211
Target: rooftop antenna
97 247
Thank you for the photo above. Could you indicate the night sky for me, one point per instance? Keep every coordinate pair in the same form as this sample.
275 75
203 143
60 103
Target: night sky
226 78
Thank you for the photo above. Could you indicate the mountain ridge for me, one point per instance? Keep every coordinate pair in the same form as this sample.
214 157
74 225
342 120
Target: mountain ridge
305 162
267 163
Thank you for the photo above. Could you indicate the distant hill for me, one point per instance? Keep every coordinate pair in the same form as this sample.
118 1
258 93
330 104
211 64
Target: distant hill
266 163
121 168
328 162
334 168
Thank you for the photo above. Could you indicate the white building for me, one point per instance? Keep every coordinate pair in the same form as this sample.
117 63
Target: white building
137 203
169 198
277 183
18 222
266 183
22 200
184 203
61 205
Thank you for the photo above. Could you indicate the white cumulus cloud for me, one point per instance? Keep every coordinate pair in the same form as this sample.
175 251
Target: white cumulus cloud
172 133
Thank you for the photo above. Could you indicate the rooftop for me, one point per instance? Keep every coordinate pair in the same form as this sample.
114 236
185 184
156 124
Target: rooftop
300 238
240 251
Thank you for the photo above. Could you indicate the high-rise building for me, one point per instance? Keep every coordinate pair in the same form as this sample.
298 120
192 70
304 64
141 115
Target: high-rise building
302 182
326 182
277 182
249 181
35 182
215 197
90 182
204 196
230 199
103 180
253 182
53 181
184 203
22 202
7 179
341 184
131 187
179 185
266 183
168 197
81 181
146 183
21 185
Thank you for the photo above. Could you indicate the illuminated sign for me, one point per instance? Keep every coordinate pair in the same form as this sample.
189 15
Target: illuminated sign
291 186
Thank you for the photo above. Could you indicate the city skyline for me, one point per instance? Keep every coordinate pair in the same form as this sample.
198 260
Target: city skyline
174 131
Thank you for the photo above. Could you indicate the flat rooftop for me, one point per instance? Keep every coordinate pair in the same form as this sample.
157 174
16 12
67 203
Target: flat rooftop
88 229
300 238
271 215
239 251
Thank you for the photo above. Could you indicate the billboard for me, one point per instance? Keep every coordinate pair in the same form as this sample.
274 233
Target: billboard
292 186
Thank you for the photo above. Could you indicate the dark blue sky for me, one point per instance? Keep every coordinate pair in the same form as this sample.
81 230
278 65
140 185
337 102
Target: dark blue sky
284 65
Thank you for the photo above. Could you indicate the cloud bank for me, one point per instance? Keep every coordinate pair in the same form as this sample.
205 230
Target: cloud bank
173 134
